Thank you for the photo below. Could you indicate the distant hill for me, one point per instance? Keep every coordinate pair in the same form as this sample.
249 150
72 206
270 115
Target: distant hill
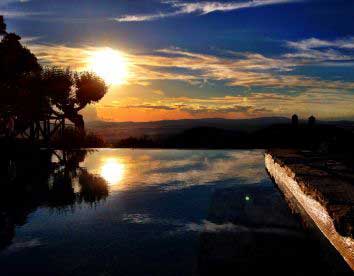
205 137
113 131
333 140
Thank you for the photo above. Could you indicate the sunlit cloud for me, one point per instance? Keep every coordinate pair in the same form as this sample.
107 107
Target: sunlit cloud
241 69
199 8
201 108
328 98
326 103
158 92
61 55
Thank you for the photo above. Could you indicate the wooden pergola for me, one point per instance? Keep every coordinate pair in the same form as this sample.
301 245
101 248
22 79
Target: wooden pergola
43 129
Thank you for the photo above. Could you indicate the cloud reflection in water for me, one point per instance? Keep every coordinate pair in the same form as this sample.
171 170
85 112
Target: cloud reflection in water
126 169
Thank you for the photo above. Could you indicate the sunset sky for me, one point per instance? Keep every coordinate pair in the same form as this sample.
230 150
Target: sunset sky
171 59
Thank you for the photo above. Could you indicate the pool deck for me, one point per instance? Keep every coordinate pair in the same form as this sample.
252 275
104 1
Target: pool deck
324 188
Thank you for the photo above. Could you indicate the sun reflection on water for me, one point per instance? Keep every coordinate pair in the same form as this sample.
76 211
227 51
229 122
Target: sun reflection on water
112 170
126 169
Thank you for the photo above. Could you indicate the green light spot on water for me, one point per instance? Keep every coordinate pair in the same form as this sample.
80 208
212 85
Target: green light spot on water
247 198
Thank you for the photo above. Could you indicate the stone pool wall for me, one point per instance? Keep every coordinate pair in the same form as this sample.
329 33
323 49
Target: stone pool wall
326 197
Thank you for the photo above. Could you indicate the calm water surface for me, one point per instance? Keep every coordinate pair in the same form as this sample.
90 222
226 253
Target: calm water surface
147 212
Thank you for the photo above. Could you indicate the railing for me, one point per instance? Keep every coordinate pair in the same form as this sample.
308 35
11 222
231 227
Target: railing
40 130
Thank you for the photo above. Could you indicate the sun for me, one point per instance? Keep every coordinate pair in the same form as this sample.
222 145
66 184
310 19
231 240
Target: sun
109 64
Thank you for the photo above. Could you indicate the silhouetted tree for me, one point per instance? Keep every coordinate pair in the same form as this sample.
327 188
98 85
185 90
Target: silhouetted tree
17 64
312 120
294 120
2 25
30 93
70 92
74 138
90 88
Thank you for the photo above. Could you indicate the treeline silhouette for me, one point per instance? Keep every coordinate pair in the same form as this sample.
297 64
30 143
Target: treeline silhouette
310 134
32 95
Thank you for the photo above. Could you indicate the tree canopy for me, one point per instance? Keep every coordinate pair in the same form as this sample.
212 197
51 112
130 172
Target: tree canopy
2 25
69 92
16 64
29 91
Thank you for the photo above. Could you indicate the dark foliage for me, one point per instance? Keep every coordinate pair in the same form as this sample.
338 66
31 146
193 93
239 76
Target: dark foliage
312 120
69 92
132 142
74 138
93 188
294 120
2 25
31 93
17 64
89 89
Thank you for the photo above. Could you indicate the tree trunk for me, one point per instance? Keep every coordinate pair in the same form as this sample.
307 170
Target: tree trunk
78 121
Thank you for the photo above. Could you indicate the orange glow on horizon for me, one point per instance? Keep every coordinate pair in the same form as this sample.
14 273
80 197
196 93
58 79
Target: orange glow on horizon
117 114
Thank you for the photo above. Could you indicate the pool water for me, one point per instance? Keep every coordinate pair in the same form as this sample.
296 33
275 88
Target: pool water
149 212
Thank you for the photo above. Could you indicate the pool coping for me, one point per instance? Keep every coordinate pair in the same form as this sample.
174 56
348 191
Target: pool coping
288 180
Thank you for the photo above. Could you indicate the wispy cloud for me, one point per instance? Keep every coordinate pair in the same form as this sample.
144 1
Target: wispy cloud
4 2
14 14
322 50
317 50
239 69
326 98
200 8
327 103
205 108
314 43
60 55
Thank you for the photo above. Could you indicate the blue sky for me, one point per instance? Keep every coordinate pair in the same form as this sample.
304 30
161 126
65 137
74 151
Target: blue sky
198 59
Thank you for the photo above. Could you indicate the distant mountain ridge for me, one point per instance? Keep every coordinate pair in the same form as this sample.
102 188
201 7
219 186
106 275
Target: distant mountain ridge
207 120
112 131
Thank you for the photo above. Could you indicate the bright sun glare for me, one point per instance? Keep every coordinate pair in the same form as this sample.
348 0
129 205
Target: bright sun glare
112 171
109 64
